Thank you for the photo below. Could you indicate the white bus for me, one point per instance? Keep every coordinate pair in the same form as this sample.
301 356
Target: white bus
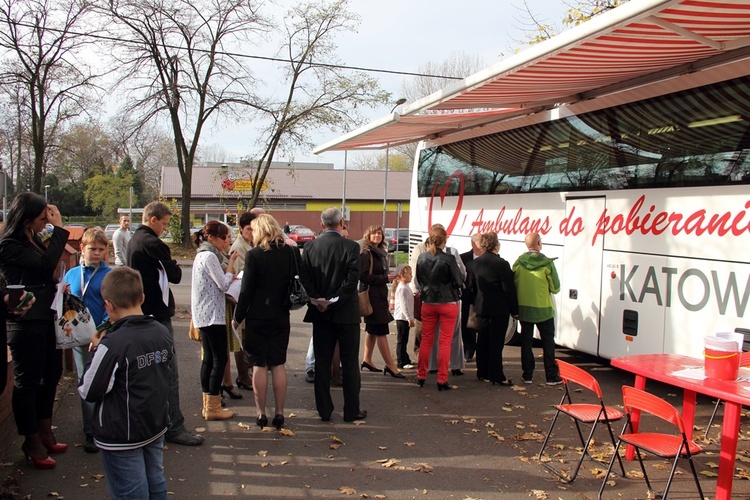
645 204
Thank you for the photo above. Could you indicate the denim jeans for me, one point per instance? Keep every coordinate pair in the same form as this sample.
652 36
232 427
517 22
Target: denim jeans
82 357
310 358
136 473
176 419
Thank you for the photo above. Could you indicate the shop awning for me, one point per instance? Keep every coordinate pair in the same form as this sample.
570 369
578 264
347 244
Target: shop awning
634 44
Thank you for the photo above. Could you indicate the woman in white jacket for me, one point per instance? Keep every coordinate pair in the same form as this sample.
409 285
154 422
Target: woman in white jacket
208 306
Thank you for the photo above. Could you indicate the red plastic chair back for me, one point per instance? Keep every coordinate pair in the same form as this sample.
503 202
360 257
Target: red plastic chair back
636 399
571 373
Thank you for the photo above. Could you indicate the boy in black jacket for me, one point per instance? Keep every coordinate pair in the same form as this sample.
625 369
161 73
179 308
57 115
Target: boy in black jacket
128 381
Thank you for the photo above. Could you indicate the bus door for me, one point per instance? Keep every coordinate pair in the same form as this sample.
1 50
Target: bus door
580 275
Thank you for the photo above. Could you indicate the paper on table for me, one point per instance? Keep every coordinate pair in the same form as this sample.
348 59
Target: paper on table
695 373
234 288
324 302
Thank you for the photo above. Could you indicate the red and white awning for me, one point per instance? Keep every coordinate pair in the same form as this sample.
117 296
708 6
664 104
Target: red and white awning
619 49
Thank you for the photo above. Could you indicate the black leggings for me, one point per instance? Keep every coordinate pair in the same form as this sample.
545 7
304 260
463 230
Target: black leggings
214 340
38 367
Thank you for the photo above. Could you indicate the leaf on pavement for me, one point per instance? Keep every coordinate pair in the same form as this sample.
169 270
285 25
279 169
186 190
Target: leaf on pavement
539 494
530 436
334 446
382 447
347 490
495 435
408 443
336 440
390 462
243 426
262 453
709 473
285 432
200 430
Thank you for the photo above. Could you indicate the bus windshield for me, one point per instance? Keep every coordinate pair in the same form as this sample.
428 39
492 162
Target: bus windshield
697 137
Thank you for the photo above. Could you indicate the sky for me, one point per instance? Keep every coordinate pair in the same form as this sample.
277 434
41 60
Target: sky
401 35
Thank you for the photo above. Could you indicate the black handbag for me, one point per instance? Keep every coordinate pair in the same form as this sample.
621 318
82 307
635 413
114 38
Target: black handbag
298 296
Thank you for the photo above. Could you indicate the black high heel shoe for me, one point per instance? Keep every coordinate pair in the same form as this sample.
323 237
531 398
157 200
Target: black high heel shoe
262 421
420 382
278 422
367 365
231 392
388 371
243 385
445 386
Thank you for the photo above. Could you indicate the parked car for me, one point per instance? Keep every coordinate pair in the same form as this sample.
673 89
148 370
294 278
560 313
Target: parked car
397 239
110 230
301 234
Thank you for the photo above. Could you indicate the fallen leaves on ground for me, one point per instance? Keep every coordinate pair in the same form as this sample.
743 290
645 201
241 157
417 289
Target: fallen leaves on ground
243 426
539 494
262 453
347 490
495 435
408 443
286 432
530 436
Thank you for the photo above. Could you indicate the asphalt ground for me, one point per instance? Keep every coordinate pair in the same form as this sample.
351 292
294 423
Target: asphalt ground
477 442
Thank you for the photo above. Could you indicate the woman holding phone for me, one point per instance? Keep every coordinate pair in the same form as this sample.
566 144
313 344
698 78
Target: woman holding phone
37 364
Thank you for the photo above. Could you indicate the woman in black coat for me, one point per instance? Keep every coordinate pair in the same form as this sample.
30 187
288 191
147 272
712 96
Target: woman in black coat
264 306
25 260
495 301
373 275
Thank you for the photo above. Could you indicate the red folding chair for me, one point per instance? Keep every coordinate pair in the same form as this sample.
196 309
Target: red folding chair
657 443
581 413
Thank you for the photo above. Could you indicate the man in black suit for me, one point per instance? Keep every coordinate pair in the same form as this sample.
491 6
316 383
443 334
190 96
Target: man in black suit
330 269
469 335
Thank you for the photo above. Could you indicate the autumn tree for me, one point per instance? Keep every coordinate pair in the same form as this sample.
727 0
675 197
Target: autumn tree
106 192
537 28
182 67
317 93
83 150
41 41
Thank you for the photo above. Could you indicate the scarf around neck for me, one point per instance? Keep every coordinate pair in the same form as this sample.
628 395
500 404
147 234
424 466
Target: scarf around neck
208 247
381 254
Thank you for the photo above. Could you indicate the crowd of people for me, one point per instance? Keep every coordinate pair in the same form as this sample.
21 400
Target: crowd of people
464 305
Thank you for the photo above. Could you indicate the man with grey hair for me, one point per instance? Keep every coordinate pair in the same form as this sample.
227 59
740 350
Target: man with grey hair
330 271
469 335
152 258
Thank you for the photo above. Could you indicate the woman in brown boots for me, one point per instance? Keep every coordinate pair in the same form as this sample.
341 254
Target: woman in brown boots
208 306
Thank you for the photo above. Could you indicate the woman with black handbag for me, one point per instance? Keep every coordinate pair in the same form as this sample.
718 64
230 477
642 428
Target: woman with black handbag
25 260
264 306
373 266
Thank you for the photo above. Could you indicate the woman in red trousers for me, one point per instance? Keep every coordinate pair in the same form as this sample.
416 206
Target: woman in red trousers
439 279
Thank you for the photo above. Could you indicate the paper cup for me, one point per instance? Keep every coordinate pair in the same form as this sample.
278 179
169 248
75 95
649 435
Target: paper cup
14 295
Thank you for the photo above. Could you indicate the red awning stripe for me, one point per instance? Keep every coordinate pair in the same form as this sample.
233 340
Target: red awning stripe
638 39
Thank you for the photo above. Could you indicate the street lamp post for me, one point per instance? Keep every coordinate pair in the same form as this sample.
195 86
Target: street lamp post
46 187
387 154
